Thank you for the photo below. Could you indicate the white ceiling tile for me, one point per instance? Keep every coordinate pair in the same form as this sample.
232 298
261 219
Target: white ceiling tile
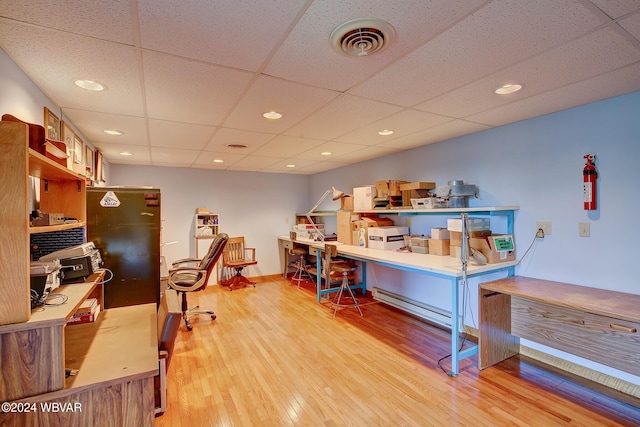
591 55
632 25
294 101
438 133
286 146
55 60
307 56
607 85
403 123
173 156
225 136
477 46
184 135
141 155
341 116
366 153
282 166
234 33
94 123
190 91
318 167
206 159
249 163
333 147
617 8
109 20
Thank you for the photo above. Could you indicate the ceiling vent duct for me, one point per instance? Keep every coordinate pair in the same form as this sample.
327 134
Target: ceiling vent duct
362 37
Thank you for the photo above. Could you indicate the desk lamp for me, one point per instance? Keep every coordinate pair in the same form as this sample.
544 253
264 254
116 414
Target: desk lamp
336 195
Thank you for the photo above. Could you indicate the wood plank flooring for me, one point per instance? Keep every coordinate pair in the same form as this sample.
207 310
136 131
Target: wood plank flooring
275 357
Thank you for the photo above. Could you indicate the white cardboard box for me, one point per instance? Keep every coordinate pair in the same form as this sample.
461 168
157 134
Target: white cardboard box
386 238
363 198
475 224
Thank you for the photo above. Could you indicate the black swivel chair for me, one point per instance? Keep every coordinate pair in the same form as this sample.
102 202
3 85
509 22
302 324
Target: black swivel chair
192 274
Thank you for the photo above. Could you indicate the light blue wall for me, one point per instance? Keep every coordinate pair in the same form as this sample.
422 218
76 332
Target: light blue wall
535 164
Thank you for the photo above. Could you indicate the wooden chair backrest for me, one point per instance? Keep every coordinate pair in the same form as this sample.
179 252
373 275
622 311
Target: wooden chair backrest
330 251
235 249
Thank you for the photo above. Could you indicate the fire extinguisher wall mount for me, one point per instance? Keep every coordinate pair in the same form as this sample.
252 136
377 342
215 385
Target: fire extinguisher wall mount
590 175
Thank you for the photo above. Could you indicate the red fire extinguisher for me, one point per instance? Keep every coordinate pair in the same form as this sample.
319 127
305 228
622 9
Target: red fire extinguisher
590 174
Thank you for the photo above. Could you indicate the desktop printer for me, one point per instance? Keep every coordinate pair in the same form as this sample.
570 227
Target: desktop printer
45 277
77 261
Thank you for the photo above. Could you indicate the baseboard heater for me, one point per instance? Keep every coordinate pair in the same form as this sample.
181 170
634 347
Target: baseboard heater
424 311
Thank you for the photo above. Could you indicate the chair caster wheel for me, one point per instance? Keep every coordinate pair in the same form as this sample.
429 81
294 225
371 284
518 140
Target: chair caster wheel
213 317
189 327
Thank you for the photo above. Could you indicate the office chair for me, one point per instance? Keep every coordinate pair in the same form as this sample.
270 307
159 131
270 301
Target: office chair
236 256
341 267
169 315
192 274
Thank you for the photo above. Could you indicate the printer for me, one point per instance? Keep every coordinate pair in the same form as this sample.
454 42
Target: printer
44 278
76 261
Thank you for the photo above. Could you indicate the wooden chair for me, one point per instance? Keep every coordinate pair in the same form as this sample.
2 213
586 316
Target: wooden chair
192 274
236 256
331 267
169 316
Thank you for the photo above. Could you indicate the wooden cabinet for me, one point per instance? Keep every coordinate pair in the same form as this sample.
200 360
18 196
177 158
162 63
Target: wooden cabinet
60 190
36 347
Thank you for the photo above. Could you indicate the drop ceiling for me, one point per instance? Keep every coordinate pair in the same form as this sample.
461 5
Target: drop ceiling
186 79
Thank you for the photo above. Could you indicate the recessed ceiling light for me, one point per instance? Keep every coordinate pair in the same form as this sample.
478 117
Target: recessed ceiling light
90 85
218 161
326 153
291 166
508 88
113 132
125 153
385 132
272 115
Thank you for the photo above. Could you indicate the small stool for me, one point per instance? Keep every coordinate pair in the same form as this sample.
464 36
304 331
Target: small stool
345 269
300 266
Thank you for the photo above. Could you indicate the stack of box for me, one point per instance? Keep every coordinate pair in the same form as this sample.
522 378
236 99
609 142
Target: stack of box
479 228
87 312
346 223
360 235
420 244
439 242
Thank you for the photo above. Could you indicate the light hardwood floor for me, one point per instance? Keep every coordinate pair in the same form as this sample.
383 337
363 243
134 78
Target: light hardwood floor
274 357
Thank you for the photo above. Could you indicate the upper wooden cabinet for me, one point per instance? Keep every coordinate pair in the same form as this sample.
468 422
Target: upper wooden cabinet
60 191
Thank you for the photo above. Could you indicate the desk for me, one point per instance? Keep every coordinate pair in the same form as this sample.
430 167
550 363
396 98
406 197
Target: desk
116 357
444 267
596 324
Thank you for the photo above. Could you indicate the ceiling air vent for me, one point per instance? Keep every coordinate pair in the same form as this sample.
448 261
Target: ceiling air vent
362 37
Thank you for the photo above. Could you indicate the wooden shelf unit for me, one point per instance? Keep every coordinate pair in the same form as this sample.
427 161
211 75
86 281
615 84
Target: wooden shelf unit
36 347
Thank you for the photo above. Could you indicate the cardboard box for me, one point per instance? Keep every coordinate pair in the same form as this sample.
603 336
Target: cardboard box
382 189
202 211
440 233
456 236
363 198
475 224
415 190
386 238
346 203
366 222
439 247
454 251
385 189
420 249
420 241
487 246
346 223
